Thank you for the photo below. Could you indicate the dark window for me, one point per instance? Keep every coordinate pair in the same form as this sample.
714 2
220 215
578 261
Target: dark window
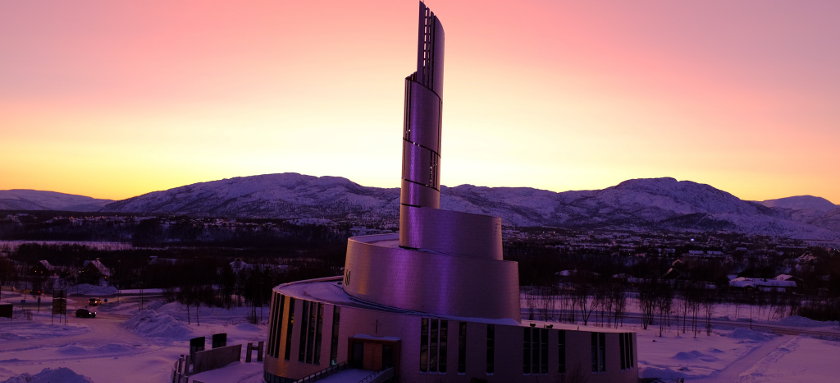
316 354
535 350
444 329
336 319
272 331
561 351
304 329
599 345
625 346
526 350
424 344
290 324
433 346
543 351
309 345
491 348
277 305
462 347
433 336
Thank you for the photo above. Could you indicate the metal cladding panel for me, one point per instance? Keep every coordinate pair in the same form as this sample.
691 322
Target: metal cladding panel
437 82
433 283
417 195
451 232
423 117
430 48
420 165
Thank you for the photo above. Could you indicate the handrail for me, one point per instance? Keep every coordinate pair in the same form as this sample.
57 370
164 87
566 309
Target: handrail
322 373
379 376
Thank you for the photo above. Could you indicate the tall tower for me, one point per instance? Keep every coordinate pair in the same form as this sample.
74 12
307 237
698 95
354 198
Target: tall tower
444 262
436 301
422 122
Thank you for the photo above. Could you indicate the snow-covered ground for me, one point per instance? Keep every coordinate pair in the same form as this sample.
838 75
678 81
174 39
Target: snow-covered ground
122 344
126 344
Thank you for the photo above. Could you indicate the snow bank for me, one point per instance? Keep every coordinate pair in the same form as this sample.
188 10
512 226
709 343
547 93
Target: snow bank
747 334
150 323
694 355
92 290
27 330
108 349
660 372
798 321
48 375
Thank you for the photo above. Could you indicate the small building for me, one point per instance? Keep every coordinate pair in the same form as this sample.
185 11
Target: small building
94 272
782 283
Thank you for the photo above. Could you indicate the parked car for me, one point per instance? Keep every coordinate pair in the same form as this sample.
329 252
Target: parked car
85 313
94 302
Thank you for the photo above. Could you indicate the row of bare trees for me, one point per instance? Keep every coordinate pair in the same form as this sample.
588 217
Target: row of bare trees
687 308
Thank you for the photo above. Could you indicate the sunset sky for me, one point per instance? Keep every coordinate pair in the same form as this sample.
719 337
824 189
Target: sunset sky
113 99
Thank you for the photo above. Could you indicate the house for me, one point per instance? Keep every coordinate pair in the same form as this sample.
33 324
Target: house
94 272
781 283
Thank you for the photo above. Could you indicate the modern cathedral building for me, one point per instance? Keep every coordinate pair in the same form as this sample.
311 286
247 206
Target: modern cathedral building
435 302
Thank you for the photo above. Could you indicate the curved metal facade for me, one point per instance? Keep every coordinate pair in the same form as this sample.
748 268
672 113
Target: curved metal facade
422 122
445 262
430 282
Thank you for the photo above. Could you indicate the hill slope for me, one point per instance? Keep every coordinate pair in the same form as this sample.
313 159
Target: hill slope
23 199
643 204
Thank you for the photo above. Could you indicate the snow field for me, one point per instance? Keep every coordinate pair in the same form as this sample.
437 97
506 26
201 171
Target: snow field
125 344
122 344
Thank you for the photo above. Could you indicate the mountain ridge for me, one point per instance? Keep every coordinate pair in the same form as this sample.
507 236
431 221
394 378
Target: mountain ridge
28 199
636 204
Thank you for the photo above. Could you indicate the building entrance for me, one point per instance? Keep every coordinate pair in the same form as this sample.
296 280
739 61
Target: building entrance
375 354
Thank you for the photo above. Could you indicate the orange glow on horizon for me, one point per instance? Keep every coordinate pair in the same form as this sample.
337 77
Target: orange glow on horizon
114 99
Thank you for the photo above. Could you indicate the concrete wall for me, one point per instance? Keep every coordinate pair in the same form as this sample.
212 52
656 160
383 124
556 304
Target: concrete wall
215 358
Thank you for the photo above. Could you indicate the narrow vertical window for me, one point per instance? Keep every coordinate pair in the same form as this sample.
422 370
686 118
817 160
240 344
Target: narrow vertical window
491 348
316 354
442 340
535 350
625 345
434 334
424 344
462 347
336 319
433 346
277 305
304 330
598 350
290 324
543 351
622 351
602 351
561 351
272 330
526 350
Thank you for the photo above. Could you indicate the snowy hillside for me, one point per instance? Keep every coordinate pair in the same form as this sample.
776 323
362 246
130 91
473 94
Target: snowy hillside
22 199
808 209
643 204
286 195
802 202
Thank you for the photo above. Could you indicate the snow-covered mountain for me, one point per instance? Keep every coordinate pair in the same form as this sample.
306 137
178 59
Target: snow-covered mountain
802 202
22 199
808 209
286 195
658 203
